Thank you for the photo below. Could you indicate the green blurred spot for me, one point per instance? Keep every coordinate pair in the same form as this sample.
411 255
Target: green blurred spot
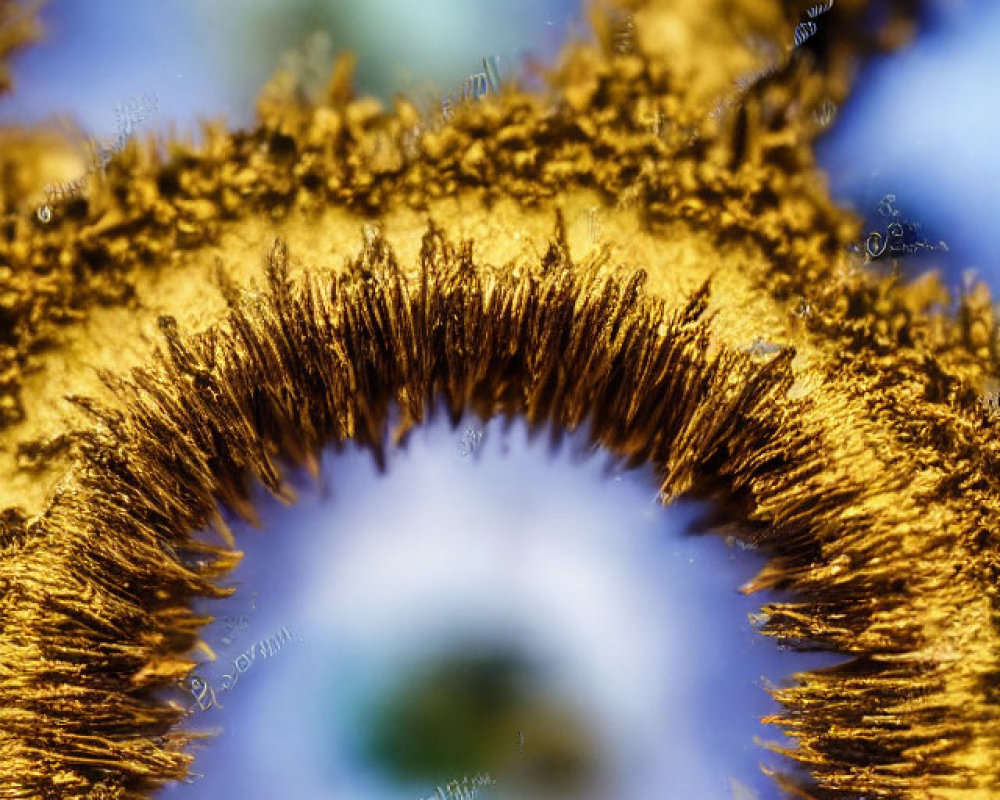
482 712
456 718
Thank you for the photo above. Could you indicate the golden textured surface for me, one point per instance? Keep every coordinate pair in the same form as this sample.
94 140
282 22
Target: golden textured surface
567 257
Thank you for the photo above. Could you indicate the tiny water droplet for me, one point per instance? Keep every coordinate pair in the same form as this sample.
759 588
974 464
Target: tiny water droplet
759 619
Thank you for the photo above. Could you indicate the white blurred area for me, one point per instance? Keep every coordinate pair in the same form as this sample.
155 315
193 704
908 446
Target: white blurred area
640 667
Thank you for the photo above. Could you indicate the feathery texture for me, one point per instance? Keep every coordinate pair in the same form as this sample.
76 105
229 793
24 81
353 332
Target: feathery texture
859 457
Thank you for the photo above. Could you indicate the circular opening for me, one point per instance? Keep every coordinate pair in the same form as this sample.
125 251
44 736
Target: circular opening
492 606
302 367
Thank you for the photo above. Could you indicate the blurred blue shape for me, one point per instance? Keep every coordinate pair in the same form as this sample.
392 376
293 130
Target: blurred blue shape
210 60
922 125
100 53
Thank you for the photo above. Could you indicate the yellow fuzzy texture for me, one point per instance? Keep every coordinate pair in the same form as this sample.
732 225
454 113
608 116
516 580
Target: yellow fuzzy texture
175 301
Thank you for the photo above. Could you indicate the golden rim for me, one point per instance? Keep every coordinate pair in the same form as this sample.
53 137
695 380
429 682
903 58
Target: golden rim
97 593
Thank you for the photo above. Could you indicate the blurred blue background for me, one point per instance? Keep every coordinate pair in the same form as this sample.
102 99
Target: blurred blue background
209 60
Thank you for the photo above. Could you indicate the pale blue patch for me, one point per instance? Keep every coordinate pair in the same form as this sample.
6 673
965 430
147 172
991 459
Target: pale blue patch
478 538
